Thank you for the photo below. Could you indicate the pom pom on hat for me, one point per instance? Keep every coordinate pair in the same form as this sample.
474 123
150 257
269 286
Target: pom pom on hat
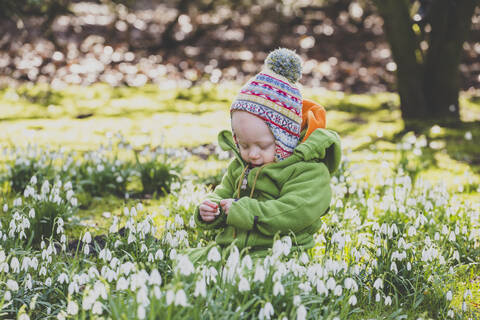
286 63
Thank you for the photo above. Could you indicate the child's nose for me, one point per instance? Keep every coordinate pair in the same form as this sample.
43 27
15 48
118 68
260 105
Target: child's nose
254 153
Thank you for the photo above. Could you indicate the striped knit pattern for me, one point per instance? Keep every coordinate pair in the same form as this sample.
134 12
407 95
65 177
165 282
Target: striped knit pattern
276 101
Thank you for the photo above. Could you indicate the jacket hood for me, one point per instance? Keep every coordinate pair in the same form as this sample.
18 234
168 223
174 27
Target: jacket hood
322 145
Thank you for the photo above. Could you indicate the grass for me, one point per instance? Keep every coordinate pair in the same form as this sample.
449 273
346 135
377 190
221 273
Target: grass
84 118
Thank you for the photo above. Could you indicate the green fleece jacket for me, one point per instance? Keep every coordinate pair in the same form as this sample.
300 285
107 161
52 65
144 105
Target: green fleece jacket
289 196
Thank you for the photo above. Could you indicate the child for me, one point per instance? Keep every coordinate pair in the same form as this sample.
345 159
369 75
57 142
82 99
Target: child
279 180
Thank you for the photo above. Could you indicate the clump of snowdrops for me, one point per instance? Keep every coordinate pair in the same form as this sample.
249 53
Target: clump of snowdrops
388 249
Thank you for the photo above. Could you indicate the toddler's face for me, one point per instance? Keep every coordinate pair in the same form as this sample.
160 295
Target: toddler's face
256 141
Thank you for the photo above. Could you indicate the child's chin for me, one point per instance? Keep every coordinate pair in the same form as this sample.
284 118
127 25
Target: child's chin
256 165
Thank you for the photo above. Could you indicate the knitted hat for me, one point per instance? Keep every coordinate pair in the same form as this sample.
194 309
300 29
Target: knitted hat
273 96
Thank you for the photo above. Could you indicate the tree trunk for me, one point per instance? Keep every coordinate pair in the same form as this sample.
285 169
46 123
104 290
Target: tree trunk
404 47
450 22
428 88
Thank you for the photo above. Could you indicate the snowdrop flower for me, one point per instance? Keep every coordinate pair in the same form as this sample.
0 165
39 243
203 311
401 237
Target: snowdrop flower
48 282
233 258
304 258
450 313
141 313
393 267
179 220
62 278
72 308
305 286
45 187
278 289
117 244
97 308
69 194
5 207
301 313
388 301
142 296
7 295
266 312
412 231
170 297
200 288
444 230
456 255
25 264
2 256
297 300
214 255
12 285
159 254
247 262
133 212
4 267
352 284
243 285
259 274
181 298
277 249
173 254
100 290
449 295
131 238
17 202
378 284
23 316
452 237
122 284
191 222
73 288
321 288
31 213
67 186
338 291
28 282
87 237
155 278
377 297
15 265
157 292
331 283
185 266
352 300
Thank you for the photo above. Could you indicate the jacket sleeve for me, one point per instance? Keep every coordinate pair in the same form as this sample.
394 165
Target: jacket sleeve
304 198
224 190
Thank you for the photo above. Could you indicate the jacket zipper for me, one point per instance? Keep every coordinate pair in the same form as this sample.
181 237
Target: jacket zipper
246 238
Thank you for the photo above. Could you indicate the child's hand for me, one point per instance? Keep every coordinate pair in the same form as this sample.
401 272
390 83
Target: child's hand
209 210
225 204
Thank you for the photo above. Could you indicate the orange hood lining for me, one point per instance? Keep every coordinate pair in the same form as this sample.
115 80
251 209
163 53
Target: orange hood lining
314 116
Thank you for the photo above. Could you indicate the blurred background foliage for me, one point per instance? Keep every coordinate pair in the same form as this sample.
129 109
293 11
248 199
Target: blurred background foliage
182 42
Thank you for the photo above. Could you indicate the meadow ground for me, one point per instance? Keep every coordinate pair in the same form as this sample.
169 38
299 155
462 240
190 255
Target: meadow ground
101 229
